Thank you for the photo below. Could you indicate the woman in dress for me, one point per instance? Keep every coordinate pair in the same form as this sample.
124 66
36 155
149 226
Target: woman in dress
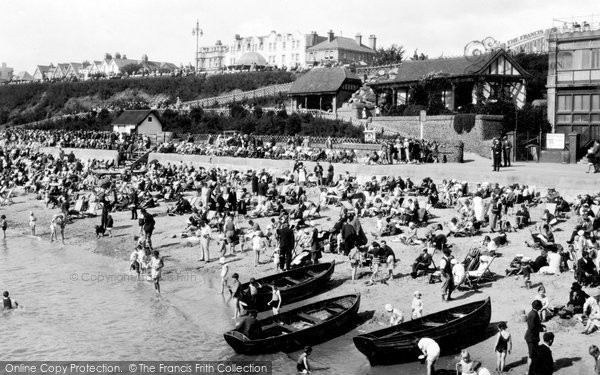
503 346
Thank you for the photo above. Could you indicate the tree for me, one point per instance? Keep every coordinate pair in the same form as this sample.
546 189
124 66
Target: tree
107 56
392 55
535 64
124 57
131 69
117 55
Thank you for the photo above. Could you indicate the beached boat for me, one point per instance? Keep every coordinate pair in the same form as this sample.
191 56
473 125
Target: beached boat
451 329
306 325
294 285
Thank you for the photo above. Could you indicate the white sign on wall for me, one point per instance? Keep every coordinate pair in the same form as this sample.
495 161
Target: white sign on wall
555 141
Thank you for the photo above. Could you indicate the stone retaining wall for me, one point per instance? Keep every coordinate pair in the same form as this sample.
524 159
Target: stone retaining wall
445 129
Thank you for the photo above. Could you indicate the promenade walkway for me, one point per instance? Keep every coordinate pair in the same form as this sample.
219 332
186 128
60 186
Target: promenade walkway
568 179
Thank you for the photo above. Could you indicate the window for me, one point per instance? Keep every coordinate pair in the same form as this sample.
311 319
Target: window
581 103
595 64
581 118
564 103
149 118
595 102
564 61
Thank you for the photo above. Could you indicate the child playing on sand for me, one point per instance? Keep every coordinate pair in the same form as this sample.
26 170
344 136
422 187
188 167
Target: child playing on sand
224 272
417 306
302 364
32 222
465 364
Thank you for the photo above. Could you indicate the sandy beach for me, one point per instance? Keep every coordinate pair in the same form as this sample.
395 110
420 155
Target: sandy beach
509 297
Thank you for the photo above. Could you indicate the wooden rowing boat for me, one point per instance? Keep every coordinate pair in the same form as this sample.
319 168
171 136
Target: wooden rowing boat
306 325
452 329
294 285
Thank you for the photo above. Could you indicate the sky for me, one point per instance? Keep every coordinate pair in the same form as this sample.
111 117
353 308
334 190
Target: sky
38 32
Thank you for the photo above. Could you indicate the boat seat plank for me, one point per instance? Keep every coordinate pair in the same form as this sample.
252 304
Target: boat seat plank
312 273
397 332
269 326
310 318
292 280
335 308
432 324
288 327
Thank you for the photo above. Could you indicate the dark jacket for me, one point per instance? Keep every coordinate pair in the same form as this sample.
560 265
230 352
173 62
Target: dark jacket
542 362
534 327
286 239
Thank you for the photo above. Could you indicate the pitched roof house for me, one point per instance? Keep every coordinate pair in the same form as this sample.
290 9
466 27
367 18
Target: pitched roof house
341 50
324 88
467 79
144 121
42 72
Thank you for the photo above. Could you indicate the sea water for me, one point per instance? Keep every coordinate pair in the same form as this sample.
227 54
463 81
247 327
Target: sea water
78 305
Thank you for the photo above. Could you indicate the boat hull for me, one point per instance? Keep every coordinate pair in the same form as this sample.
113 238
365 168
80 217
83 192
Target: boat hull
293 341
293 293
386 347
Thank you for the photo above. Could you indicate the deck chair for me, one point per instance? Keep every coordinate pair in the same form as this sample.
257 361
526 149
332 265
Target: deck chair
7 199
78 205
91 211
313 212
481 274
348 206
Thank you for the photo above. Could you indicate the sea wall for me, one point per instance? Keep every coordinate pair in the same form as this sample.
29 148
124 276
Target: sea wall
475 131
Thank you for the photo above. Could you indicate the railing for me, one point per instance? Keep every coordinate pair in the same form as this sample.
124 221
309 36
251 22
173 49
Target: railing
285 138
230 98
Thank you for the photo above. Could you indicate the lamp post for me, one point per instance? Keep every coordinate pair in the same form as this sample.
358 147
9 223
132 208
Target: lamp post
197 31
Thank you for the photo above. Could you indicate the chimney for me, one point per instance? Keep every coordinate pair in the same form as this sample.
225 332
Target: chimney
330 36
372 42
358 38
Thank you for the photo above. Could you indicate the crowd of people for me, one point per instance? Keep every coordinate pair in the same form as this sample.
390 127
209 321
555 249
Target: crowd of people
400 150
223 200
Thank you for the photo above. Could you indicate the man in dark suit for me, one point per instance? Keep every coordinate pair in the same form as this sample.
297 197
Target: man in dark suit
422 262
534 327
542 362
286 245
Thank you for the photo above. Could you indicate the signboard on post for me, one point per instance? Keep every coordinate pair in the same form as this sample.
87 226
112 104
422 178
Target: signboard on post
555 141
422 120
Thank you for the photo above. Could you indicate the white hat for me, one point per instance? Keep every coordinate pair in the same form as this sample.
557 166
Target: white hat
453 261
389 308
411 224
581 232
222 260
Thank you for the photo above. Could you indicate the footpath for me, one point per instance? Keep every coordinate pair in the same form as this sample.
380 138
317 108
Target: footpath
568 179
